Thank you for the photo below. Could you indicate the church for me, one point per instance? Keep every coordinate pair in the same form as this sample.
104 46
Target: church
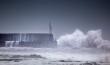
38 40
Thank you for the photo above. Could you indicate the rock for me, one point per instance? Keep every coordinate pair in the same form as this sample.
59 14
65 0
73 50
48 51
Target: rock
86 63
94 63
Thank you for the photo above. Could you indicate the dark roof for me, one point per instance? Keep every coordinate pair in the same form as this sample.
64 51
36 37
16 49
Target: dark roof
29 36
28 33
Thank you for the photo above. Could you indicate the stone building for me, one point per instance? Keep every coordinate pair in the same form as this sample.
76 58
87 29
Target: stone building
28 39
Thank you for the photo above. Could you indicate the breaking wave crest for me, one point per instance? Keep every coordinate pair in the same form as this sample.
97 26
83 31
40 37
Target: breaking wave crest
78 39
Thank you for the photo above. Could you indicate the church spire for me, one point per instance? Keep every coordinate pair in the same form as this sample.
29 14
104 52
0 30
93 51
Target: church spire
50 28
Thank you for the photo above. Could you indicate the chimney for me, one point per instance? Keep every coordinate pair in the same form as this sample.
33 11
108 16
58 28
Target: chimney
50 28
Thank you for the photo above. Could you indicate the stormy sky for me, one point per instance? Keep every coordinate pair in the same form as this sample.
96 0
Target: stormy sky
18 16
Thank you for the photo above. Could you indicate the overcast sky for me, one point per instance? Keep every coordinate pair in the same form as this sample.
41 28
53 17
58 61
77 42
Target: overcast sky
65 15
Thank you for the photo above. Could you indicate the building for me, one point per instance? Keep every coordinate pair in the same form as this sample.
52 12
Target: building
28 39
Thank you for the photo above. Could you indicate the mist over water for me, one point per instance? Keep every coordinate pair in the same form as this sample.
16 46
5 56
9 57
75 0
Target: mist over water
92 39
